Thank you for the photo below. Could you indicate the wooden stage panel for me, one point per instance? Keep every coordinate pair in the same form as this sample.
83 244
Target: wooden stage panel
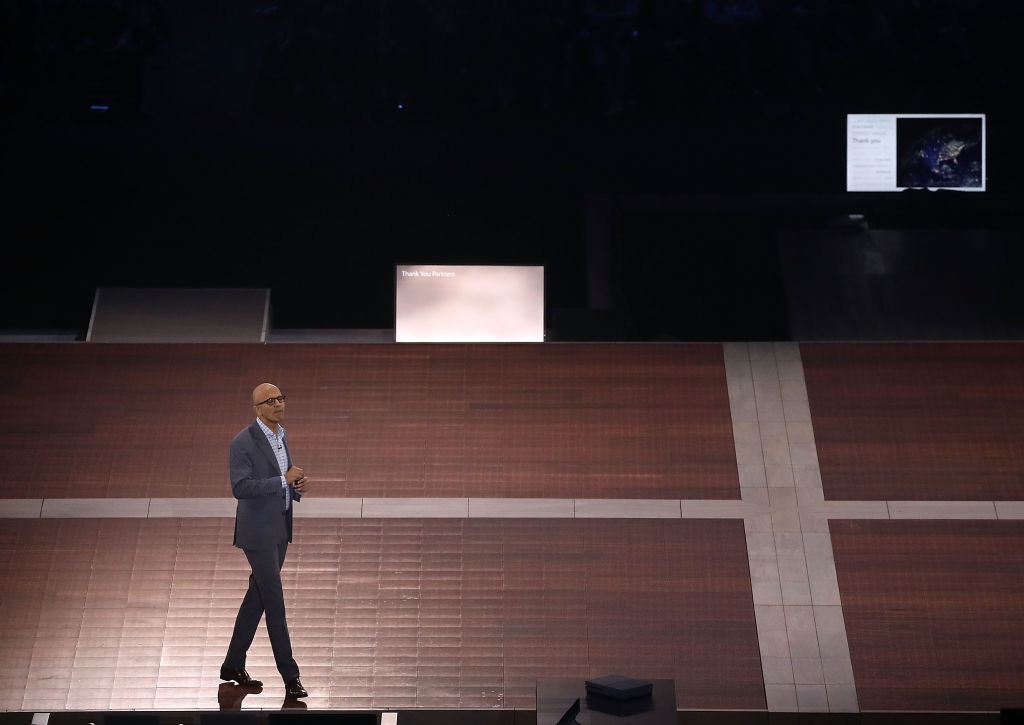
384 614
647 421
934 612
918 421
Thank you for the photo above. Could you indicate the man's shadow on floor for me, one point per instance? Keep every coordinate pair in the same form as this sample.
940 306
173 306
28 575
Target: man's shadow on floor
230 696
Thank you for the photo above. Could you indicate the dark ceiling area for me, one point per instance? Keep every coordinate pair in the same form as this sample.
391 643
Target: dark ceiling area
309 146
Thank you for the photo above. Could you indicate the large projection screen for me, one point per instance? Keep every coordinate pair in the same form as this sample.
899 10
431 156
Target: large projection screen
469 303
898 151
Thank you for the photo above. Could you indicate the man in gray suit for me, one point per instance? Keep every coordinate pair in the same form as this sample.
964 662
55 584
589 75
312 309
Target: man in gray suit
266 485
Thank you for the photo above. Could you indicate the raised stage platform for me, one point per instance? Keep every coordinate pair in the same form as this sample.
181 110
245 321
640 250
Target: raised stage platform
815 530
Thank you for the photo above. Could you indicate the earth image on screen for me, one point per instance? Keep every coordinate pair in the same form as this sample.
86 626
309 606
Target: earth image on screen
944 155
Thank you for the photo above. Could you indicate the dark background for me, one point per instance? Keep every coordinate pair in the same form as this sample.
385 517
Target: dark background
309 146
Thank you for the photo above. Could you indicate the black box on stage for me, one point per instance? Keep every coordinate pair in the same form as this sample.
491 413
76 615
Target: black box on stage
619 687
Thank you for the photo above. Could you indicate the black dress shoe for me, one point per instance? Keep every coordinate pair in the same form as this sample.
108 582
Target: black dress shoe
294 688
239 676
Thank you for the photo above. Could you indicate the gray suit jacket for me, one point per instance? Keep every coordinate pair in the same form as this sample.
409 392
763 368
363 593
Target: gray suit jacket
260 519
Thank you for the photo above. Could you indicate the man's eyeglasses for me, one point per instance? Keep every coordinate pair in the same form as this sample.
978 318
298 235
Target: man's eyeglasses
268 401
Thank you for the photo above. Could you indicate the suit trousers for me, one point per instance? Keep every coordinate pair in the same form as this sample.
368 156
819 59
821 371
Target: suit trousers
264 596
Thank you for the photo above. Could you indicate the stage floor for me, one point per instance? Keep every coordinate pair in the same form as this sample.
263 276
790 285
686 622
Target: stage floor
778 528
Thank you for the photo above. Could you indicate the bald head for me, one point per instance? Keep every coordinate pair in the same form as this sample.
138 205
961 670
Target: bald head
269 404
263 391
